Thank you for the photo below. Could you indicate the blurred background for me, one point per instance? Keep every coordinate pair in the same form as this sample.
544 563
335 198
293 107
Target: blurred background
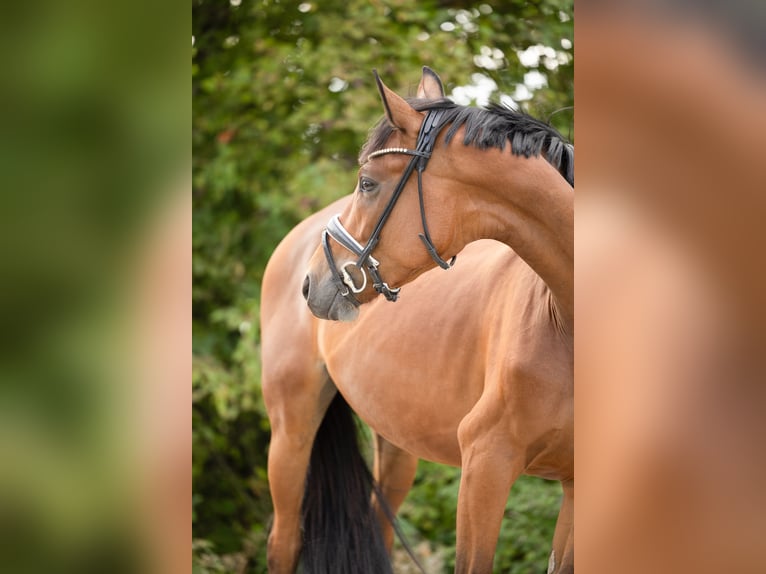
283 98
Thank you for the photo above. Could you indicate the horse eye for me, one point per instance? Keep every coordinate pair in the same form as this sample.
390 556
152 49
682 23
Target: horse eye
367 185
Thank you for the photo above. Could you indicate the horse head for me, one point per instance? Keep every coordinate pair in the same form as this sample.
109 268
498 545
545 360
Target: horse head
379 243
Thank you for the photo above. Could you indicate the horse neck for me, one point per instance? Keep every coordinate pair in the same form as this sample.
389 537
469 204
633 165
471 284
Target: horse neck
526 204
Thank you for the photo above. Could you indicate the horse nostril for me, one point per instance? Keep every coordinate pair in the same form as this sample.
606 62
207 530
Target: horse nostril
305 290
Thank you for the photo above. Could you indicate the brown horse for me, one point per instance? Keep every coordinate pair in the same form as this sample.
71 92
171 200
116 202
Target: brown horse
304 363
405 368
511 409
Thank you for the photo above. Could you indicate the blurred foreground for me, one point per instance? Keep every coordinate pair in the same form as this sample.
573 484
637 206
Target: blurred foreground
670 390
95 225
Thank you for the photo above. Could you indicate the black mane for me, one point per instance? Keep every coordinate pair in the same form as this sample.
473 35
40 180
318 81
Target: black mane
490 127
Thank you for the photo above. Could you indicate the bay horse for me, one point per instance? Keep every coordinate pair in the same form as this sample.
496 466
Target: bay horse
517 415
407 370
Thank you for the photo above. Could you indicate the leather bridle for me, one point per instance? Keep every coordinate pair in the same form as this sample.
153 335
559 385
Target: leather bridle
429 131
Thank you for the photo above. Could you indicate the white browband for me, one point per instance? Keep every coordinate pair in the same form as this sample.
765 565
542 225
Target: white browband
398 150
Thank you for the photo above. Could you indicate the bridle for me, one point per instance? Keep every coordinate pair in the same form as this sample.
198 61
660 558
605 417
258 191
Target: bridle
429 131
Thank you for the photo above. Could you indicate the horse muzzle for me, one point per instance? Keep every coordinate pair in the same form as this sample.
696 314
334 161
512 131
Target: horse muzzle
326 301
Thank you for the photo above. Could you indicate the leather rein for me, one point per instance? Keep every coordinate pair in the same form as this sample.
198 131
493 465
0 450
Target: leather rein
429 131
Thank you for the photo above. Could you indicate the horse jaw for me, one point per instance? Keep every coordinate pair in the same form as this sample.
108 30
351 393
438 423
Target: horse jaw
343 311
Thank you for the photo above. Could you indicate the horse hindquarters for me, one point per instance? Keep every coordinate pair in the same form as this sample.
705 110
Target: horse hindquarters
341 530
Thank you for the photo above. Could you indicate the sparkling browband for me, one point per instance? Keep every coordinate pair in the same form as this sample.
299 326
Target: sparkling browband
398 150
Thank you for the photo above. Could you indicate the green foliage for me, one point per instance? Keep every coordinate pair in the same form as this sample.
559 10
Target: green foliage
527 531
283 97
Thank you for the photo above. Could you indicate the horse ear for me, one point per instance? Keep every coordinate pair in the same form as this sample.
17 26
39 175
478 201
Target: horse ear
430 87
398 112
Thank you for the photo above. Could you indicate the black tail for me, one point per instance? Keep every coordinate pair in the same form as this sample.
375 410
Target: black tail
340 529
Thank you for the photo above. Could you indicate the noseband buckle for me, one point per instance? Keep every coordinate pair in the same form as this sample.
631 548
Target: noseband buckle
349 280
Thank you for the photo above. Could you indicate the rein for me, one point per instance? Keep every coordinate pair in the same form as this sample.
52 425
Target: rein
429 131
